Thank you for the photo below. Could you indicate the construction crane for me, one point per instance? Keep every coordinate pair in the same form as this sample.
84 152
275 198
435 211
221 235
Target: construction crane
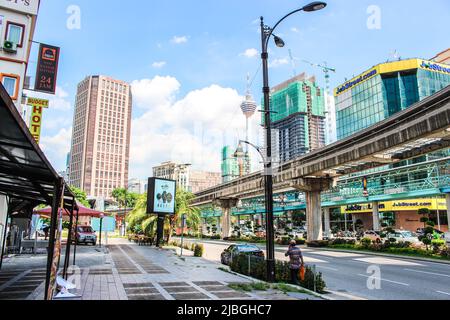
326 70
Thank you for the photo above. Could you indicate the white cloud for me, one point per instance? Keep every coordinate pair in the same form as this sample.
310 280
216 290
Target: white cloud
250 53
158 64
191 130
275 63
154 93
57 146
179 39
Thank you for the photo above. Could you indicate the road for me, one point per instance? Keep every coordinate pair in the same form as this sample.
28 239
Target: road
347 274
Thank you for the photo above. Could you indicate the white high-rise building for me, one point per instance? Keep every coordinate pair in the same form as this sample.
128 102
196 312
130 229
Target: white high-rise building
330 122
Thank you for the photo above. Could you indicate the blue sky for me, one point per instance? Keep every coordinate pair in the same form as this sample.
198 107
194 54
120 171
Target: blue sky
196 50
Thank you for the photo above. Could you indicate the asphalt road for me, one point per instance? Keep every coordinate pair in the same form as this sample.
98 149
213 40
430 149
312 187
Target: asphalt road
347 274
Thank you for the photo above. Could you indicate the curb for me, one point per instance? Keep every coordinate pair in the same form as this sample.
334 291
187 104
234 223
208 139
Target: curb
287 284
383 255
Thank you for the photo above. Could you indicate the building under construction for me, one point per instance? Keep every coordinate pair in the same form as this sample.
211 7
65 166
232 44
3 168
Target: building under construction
298 107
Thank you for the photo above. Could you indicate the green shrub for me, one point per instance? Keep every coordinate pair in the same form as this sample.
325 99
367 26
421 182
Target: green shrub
198 250
366 242
240 264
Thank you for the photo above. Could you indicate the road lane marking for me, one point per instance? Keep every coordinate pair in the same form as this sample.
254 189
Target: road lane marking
395 282
442 292
333 254
327 268
388 261
426 272
346 295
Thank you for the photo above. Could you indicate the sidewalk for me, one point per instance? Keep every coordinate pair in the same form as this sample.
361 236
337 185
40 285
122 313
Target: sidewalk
126 271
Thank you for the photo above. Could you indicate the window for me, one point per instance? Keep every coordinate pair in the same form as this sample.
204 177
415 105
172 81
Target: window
11 84
15 33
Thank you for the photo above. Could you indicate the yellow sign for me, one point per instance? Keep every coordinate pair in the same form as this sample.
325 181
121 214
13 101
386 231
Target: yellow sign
392 67
401 205
36 102
37 111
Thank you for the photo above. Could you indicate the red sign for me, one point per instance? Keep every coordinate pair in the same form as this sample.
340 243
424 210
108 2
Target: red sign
47 69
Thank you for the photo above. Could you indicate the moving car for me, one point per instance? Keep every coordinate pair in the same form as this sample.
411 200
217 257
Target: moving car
85 235
403 236
227 255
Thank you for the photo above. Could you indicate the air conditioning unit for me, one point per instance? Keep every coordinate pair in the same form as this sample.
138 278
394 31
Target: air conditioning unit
9 46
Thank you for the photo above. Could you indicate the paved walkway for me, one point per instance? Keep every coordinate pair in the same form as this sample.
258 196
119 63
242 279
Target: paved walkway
126 271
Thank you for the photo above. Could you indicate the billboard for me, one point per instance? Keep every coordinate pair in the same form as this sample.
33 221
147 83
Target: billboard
161 196
47 69
401 205
37 110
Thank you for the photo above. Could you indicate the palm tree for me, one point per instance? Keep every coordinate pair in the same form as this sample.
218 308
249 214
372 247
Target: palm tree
183 201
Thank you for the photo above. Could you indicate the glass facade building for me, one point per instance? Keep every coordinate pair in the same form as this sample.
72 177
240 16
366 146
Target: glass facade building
298 107
385 90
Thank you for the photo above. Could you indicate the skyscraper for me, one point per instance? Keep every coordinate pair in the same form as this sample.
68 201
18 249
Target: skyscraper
99 158
384 90
298 107
248 108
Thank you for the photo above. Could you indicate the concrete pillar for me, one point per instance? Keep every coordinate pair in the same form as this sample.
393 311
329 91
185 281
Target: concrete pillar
226 205
313 188
326 214
376 216
447 198
314 215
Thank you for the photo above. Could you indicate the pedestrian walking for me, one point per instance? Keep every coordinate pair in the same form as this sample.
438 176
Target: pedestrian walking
296 261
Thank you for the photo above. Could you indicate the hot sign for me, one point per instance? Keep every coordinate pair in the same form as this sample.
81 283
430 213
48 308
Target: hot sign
38 106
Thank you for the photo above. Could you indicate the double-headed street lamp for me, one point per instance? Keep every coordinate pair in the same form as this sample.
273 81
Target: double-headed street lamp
266 33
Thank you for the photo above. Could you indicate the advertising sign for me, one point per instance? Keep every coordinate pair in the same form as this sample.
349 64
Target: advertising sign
161 196
108 224
401 205
47 69
37 111
24 6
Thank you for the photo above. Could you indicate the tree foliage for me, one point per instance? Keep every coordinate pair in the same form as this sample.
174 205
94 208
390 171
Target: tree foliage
80 196
125 198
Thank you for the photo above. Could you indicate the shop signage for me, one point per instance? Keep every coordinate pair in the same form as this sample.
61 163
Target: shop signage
161 196
24 6
402 205
47 69
356 81
37 110
435 67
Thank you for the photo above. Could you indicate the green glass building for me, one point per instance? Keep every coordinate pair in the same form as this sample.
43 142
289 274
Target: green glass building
385 90
298 107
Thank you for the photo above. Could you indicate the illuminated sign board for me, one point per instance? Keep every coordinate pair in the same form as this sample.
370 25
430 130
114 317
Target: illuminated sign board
24 6
37 110
161 196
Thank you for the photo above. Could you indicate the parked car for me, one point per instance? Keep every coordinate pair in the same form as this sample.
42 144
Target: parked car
372 235
84 235
447 237
421 232
403 236
235 250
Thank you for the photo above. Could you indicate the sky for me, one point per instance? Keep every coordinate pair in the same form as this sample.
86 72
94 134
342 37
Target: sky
188 60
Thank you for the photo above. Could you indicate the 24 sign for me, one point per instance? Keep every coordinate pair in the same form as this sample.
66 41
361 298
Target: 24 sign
47 69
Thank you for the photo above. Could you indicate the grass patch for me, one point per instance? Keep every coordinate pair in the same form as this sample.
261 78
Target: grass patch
286 288
241 287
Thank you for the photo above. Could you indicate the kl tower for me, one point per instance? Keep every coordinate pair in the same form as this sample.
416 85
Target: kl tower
248 107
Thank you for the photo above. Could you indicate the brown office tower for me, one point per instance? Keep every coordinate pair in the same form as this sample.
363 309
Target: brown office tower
101 136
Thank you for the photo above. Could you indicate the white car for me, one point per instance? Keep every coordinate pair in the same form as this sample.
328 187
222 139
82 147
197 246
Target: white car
403 236
447 237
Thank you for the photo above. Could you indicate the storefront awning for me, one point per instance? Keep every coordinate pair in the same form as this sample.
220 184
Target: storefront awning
26 175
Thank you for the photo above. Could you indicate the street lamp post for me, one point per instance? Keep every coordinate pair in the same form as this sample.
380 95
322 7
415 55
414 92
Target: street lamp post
266 33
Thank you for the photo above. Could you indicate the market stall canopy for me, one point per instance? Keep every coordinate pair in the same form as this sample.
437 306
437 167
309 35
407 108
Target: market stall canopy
83 212
26 175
